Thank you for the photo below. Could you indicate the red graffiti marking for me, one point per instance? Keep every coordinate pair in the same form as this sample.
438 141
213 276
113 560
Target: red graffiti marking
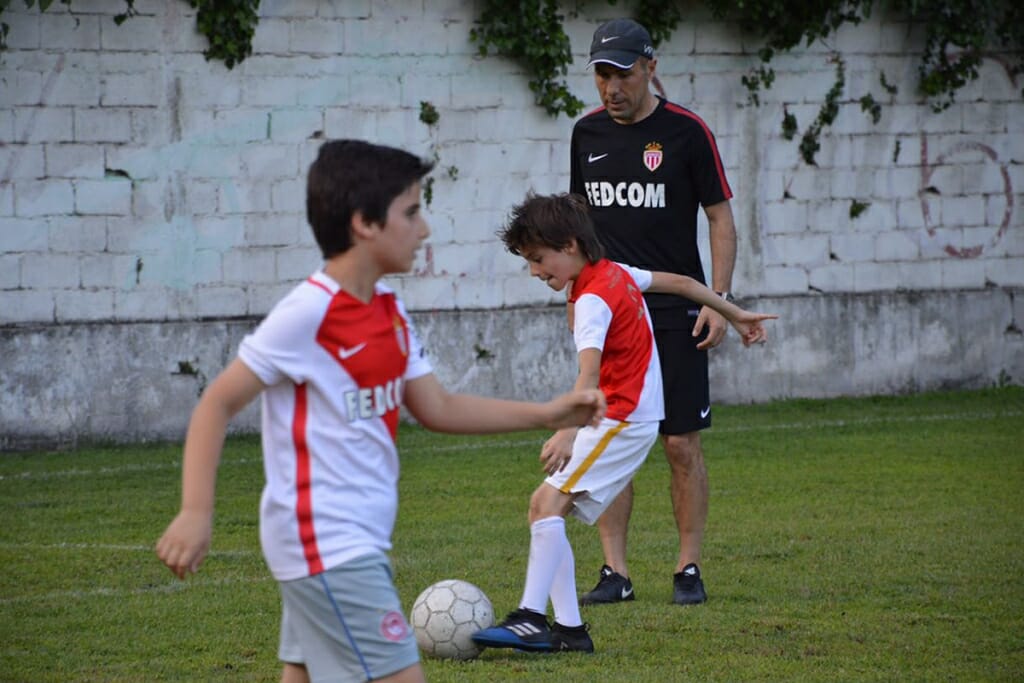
927 168
428 261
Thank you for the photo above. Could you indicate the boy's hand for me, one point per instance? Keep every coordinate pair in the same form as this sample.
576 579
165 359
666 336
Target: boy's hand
185 542
557 450
577 409
750 328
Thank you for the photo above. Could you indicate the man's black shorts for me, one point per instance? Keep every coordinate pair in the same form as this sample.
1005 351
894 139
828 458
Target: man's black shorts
684 373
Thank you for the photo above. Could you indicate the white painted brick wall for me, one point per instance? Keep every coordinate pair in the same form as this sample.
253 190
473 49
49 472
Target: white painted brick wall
142 182
26 306
10 271
919 275
832 277
79 32
77 235
1006 271
109 197
99 125
84 304
785 279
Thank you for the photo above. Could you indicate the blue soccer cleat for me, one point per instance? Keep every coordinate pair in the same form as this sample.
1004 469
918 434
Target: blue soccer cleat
522 629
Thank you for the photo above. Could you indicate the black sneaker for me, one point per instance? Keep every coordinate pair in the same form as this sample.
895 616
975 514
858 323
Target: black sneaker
612 587
522 629
571 638
689 589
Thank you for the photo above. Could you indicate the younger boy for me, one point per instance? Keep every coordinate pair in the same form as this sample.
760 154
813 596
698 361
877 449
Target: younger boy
335 360
587 469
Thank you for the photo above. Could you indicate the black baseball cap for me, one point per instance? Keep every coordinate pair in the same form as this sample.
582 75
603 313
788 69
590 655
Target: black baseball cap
620 42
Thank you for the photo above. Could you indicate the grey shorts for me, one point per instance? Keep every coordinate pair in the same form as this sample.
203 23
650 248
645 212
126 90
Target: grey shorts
346 624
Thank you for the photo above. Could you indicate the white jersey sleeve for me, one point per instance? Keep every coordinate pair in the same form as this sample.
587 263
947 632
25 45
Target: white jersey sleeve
641 277
591 319
279 347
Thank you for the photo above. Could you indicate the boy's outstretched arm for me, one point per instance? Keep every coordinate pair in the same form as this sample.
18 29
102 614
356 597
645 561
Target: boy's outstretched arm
747 323
186 540
439 410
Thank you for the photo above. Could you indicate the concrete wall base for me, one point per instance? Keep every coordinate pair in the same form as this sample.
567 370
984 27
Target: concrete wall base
64 385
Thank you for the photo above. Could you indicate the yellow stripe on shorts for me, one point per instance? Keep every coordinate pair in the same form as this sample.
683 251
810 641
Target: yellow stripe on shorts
594 454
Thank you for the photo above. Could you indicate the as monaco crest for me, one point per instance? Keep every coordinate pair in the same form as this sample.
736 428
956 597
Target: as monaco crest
653 156
403 344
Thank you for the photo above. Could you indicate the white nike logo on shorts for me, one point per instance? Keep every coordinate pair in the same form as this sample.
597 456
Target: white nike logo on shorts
592 158
704 413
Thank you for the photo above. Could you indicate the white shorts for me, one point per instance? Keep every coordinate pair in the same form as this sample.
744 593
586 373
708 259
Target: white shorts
604 459
346 624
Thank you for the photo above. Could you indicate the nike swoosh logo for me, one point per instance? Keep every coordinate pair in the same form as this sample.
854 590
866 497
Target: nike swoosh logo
591 158
704 413
344 353
626 592
607 38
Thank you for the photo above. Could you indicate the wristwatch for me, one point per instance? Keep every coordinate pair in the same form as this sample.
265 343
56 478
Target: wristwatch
727 296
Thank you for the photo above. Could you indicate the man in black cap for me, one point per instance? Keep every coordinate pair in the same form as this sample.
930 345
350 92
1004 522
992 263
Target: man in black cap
645 165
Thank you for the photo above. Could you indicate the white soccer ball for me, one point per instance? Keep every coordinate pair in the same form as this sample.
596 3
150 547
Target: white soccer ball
446 614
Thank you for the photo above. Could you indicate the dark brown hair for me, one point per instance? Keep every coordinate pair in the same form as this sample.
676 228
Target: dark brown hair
350 176
552 221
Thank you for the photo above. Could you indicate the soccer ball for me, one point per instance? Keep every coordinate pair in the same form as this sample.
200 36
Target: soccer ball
446 614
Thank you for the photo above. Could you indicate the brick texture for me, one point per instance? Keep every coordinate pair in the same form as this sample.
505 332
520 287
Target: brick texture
139 181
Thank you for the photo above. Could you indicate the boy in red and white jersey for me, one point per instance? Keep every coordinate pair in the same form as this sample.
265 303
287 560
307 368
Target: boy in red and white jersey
589 467
334 361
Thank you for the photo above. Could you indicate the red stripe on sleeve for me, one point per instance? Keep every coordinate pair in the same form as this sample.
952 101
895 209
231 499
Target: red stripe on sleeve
675 108
303 483
319 284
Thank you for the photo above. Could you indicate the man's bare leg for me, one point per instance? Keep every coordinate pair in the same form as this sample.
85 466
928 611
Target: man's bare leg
612 526
690 505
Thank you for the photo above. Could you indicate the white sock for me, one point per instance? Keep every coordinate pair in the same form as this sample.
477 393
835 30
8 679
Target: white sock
548 547
564 601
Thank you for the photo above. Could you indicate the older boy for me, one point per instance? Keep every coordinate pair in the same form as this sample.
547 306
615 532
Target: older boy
334 361
617 354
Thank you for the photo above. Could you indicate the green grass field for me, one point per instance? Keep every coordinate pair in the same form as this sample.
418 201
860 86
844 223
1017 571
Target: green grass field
848 540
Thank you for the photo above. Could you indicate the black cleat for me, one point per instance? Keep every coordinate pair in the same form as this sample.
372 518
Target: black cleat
522 629
689 589
571 638
612 587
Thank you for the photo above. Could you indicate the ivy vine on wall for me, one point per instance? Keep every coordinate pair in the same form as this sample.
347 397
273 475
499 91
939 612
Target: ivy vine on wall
958 35
531 34
228 25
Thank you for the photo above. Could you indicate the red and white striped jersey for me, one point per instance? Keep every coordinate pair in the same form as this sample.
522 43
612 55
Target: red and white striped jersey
335 368
610 315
